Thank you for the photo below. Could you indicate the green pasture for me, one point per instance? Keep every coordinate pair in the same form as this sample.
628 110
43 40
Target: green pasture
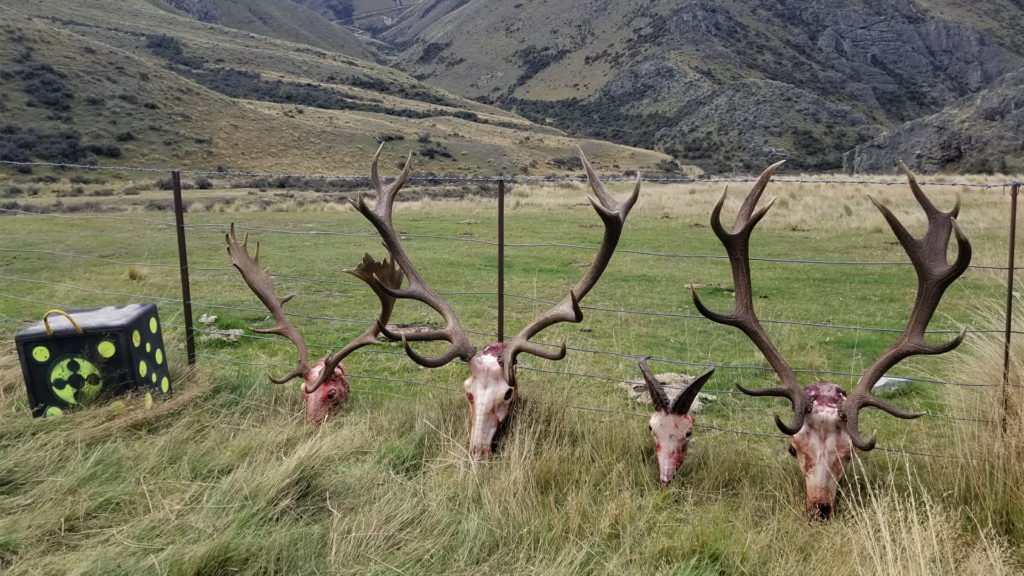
225 477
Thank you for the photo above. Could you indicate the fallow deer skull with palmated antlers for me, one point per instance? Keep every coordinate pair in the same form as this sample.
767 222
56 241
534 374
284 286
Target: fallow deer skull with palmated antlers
672 423
491 386
324 386
825 429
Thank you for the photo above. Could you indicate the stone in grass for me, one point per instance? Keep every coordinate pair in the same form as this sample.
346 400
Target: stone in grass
231 335
890 384
207 319
674 384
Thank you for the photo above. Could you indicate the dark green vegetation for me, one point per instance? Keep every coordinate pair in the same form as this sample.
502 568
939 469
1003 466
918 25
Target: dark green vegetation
226 477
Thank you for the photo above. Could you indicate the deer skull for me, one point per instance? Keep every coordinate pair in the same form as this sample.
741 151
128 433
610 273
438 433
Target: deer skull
822 448
490 398
672 422
324 386
825 428
328 396
491 385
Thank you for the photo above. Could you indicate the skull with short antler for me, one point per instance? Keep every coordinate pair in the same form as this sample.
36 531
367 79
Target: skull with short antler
672 422
825 428
324 385
491 385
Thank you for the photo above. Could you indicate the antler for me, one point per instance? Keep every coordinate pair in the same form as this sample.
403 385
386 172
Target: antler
380 217
934 275
682 403
568 310
737 244
262 285
376 275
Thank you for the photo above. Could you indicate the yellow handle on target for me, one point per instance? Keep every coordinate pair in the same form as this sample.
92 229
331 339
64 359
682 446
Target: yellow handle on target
46 321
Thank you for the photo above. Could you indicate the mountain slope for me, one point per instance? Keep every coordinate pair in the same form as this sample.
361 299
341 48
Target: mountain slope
281 19
980 133
158 89
731 84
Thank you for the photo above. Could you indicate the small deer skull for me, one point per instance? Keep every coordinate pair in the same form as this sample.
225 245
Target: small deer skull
328 396
672 423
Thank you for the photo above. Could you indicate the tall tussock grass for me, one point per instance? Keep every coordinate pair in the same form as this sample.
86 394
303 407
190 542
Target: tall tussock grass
227 478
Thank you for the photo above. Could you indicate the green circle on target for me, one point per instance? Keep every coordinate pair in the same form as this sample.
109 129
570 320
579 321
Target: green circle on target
152 325
142 368
40 354
136 338
106 349
54 412
159 356
165 384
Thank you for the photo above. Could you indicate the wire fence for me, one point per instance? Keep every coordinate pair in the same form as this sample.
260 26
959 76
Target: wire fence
189 328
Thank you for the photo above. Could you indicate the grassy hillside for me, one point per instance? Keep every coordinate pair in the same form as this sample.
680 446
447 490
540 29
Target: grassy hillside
158 89
281 19
725 84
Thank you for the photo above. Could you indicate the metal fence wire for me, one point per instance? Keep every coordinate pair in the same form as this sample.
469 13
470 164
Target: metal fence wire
190 330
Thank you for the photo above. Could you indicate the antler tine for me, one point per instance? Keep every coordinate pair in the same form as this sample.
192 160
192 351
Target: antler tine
737 245
262 285
934 275
613 214
681 405
380 217
655 387
376 275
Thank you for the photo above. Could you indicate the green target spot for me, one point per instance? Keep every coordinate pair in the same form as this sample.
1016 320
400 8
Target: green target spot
149 347
143 368
165 384
54 412
136 338
149 400
152 325
106 349
40 354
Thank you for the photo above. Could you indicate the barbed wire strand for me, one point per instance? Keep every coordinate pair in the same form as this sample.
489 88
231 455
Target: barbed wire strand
587 408
517 296
512 180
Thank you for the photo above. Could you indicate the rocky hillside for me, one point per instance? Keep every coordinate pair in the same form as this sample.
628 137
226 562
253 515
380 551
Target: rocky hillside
132 82
728 85
980 133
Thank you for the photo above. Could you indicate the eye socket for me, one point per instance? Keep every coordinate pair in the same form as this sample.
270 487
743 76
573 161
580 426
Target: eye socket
689 432
651 428
332 393
792 450
508 394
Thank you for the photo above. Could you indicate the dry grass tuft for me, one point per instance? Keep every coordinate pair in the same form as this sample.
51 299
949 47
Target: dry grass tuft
137 273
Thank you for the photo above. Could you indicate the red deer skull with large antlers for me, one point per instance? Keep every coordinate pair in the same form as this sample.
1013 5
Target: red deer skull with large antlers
324 385
825 428
672 423
491 386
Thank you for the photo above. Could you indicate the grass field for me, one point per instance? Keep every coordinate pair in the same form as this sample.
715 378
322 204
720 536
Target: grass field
226 478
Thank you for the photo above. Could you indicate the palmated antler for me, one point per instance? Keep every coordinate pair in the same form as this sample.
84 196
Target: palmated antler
613 214
376 275
380 217
737 245
682 403
934 275
262 285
